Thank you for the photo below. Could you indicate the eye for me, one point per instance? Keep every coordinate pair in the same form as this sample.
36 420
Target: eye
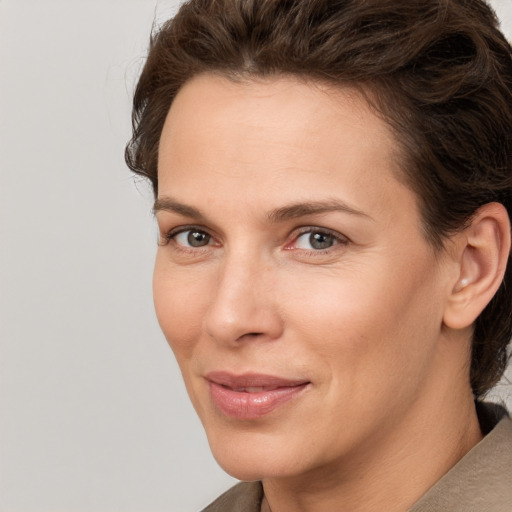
191 238
317 239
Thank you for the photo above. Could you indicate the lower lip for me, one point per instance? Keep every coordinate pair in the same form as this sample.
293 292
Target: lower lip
247 406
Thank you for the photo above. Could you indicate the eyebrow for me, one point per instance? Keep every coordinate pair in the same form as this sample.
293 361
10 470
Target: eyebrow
288 212
302 209
168 204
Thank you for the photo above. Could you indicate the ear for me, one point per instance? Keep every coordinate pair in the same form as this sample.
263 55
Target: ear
482 253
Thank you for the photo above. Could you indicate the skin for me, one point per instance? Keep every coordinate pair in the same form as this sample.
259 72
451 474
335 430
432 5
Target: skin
364 320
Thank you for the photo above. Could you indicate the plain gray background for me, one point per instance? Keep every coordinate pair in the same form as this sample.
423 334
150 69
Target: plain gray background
94 416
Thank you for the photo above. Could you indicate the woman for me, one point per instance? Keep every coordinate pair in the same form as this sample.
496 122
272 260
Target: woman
333 188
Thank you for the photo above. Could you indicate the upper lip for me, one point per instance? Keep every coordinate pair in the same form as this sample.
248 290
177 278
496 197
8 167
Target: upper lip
252 380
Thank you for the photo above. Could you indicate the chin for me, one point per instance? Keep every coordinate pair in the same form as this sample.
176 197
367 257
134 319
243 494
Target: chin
243 472
252 456
248 470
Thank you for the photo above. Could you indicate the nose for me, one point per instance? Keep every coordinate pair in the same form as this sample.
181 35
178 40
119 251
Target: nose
243 305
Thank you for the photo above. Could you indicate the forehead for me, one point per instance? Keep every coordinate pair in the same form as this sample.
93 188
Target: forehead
285 133
272 101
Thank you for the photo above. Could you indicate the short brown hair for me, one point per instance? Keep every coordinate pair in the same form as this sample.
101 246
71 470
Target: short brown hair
438 71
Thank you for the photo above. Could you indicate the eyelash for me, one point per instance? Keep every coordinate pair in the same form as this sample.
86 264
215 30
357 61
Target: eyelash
340 240
171 235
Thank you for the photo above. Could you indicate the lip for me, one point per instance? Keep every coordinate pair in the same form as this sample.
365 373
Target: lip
250 396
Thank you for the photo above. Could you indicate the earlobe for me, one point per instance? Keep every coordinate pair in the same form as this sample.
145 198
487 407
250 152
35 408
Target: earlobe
484 247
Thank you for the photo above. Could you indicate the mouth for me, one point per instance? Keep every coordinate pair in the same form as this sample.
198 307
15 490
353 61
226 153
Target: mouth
251 396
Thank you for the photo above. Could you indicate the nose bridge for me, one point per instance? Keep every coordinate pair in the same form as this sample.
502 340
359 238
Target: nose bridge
242 303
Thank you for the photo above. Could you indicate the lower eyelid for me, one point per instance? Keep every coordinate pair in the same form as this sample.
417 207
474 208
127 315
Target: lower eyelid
166 237
337 238
171 236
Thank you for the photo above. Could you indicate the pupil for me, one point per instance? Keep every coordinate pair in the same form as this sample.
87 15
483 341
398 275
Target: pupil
198 239
320 240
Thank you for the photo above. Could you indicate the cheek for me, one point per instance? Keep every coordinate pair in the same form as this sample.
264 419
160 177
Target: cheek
179 299
368 320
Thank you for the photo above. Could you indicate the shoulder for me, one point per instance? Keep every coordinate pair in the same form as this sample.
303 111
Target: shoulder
243 497
481 480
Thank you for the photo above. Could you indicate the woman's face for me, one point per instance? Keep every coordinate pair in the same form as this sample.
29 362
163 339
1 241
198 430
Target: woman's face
293 280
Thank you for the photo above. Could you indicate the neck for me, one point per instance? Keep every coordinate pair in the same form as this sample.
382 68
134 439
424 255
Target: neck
433 437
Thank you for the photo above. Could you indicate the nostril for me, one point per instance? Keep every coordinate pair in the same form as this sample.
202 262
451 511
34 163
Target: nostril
250 335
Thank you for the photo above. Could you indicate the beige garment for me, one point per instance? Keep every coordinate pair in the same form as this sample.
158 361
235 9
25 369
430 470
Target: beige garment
480 482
